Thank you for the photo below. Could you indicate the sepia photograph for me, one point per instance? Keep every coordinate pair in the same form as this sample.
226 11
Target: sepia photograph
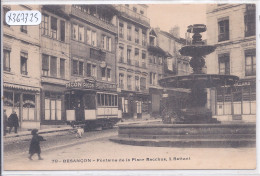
128 86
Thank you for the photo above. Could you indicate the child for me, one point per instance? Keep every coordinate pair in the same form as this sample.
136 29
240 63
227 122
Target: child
35 144
78 130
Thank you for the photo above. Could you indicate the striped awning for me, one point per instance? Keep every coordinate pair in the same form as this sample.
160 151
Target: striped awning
21 87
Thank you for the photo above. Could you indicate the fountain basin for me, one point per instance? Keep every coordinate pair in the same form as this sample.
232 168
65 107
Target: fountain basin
188 135
204 80
196 50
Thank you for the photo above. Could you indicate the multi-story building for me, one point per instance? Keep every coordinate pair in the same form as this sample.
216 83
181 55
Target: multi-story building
132 60
164 60
54 54
21 76
93 62
235 55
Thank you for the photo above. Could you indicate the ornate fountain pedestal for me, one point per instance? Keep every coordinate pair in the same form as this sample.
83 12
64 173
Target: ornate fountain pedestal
195 127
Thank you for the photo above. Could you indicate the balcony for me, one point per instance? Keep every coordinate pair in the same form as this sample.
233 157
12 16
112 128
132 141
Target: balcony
130 14
97 54
92 19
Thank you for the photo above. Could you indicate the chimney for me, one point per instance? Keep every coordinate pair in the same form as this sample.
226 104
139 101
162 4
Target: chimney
175 31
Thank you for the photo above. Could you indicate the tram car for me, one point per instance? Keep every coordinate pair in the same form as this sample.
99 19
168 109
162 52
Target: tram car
92 109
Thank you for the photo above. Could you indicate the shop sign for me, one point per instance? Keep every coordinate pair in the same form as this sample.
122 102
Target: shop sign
91 85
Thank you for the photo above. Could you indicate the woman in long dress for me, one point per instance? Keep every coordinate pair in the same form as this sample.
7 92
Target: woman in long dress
35 144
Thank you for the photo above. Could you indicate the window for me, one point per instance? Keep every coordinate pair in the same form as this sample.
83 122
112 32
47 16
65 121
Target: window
108 74
106 99
127 5
143 55
45 65
121 80
75 31
103 41
103 73
75 67
81 68
28 107
23 29
143 37
89 36
52 106
53 66
129 82
24 57
5 11
121 30
62 30
129 56
224 66
62 68
94 71
108 43
6 60
134 9
88 69
136 57
137 35
125 106
223 30
250 60
121 54
53 27
141 12
137 83
151 78
94 38
81 33
45 24
129 28
250 26
143 83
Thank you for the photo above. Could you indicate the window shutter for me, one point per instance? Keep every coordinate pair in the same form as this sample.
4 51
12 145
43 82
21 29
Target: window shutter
45 62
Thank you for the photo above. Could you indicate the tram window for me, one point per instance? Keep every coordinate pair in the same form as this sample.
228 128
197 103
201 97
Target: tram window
99 99
106 100
113 100
116 100
109 100
102 100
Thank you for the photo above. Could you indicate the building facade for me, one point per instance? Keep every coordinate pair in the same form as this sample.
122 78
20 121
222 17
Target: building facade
132 59
235 55
165 60
54 54
93 62
21 76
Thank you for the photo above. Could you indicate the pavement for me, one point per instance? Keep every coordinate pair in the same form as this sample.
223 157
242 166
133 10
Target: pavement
54 131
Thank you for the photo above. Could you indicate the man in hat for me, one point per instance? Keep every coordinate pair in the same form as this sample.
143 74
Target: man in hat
13 122
35 144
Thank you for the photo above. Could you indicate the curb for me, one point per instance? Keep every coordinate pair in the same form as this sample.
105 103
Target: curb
40 132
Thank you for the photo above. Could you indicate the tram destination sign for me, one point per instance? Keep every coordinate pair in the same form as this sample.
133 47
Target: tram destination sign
91 85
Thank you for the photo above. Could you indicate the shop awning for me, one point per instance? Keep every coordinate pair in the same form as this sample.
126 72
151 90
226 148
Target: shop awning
21 87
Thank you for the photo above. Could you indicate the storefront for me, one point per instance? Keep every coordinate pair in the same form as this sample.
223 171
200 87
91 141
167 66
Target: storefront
134 104
25 101
237 102
52 105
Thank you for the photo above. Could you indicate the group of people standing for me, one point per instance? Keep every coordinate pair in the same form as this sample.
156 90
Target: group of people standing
12 122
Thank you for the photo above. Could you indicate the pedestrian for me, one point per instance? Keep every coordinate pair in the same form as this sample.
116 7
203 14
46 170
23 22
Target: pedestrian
13 122
35 144
5 122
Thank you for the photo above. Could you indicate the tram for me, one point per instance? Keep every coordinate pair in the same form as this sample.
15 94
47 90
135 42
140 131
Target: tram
92 106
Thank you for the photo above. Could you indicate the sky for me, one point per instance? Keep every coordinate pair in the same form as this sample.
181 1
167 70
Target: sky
167 16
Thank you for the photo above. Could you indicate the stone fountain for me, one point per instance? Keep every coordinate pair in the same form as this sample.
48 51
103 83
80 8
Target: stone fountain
196 128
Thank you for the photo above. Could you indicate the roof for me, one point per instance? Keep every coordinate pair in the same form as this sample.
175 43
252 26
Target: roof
179 40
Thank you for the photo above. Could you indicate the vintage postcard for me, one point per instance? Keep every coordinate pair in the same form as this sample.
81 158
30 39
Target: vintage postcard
128 86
